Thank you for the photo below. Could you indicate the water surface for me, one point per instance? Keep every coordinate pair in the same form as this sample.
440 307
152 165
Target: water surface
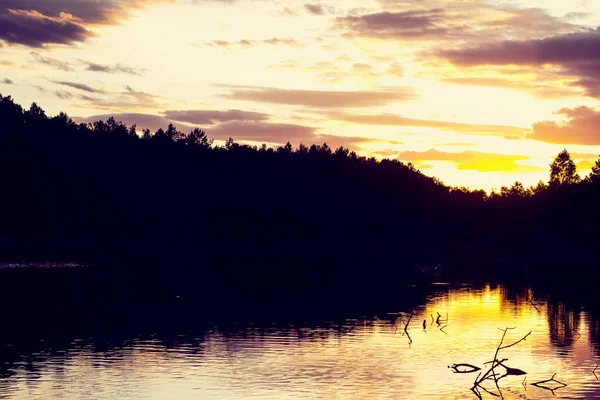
347 357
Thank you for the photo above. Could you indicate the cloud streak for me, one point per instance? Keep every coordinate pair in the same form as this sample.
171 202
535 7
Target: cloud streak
79 86
52 62
473 160
109 69
211 117
397 120
320 98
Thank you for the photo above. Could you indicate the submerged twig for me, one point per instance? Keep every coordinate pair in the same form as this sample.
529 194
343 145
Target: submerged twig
594 371
471 368
541 385
491 374
533 304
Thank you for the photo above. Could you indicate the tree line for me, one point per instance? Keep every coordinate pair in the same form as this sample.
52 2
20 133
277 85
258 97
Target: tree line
105 193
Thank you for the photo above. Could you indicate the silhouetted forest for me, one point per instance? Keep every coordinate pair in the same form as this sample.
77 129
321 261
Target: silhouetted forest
283 218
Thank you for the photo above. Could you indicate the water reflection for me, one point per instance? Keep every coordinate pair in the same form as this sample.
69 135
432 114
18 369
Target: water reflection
375 356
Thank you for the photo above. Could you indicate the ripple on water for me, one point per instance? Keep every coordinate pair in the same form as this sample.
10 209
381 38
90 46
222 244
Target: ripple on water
358 358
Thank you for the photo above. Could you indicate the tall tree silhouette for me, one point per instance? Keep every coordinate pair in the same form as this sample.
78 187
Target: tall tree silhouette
594 175
563 170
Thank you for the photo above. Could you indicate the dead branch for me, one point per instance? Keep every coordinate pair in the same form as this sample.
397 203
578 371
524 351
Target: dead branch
534 305
408 322
541 385
511 345
492 393
490 374
442 329
594 371
471 368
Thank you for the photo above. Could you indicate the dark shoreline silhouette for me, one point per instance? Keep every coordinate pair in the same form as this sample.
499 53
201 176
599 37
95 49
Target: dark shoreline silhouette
170 208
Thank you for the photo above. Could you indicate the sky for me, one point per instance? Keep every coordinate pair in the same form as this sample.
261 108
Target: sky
478 93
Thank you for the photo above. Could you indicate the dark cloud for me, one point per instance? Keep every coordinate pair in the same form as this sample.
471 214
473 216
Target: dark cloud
398 120
320 98
314 9
275 133
350 142
448 21
79 86
260 131
580 127
37 23
574 47
141 98
473 160
109 69
142 121
86 11
577 15
6 81
52 62
211 117
63 95
127 99
244 43
281 41
30 28
577 54
400 25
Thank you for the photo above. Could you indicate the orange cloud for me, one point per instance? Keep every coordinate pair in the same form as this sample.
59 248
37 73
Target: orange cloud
580 127
473 160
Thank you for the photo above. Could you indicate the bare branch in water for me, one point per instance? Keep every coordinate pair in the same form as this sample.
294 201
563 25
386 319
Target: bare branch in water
533 304
541 385
470 368
491 374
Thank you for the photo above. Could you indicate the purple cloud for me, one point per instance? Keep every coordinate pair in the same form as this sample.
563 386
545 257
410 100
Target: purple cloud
30 28
211 117
578 55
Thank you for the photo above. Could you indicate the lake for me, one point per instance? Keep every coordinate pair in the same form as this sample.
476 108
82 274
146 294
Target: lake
186 356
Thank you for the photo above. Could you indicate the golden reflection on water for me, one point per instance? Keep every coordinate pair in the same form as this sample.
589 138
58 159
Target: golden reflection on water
355 359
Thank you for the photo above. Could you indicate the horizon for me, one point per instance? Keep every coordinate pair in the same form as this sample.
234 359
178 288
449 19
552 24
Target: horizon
478 94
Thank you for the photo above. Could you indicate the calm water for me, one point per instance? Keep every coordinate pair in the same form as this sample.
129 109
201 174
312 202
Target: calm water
364 357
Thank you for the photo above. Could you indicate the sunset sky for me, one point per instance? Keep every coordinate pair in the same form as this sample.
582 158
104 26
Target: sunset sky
477 93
